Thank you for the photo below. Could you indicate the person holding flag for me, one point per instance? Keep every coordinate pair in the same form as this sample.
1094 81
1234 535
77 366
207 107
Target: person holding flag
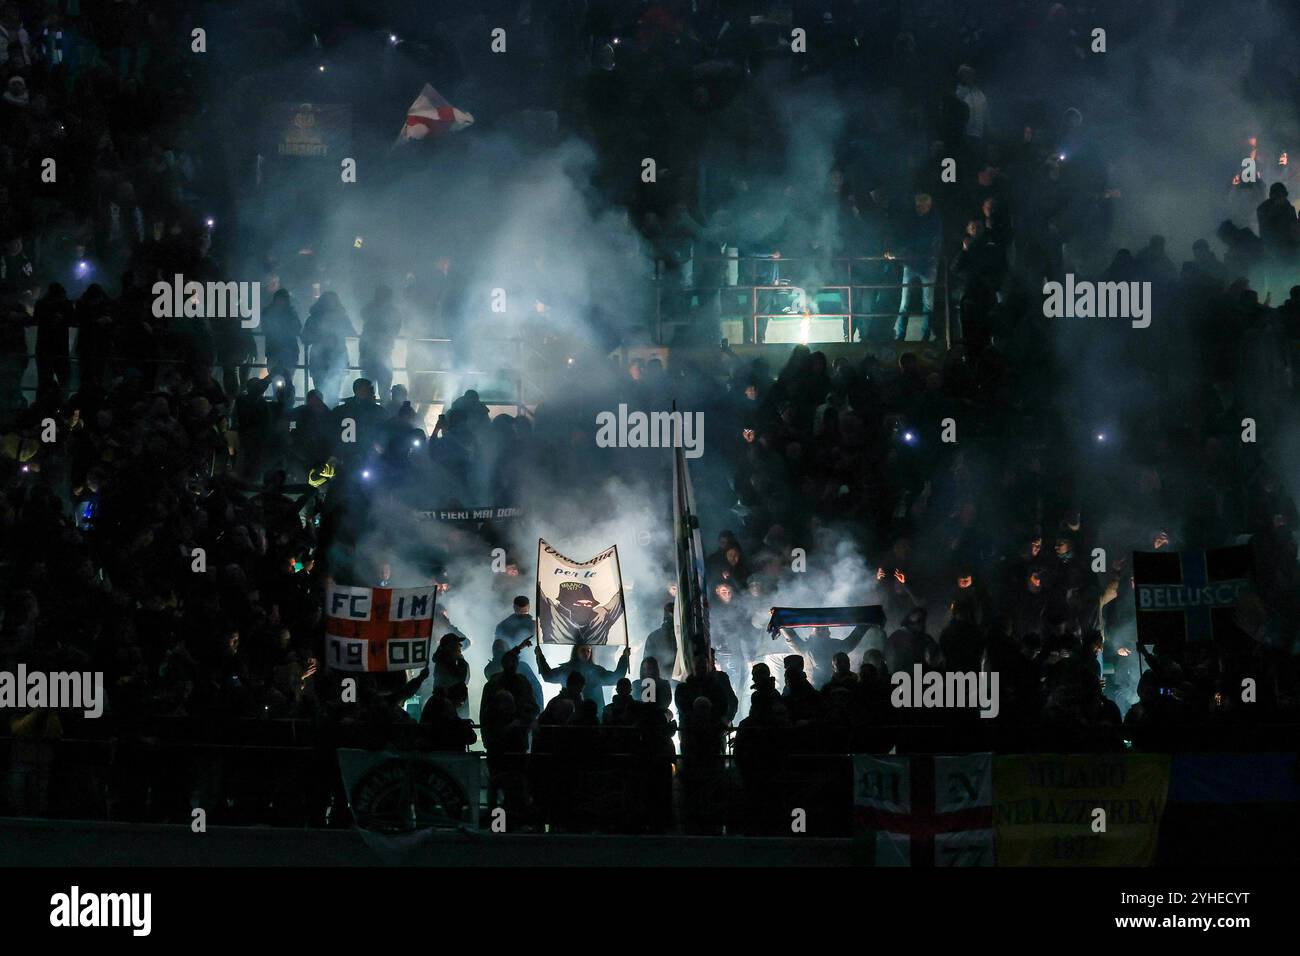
595 678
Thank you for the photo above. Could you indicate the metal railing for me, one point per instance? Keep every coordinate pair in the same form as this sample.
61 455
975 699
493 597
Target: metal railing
809 279
286 773
290 777
522 397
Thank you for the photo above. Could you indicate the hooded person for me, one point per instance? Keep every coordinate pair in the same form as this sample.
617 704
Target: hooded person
595 678
575 617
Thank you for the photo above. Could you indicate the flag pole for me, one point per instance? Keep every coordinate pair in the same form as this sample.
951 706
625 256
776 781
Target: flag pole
682 603
537 606
622 599
690 607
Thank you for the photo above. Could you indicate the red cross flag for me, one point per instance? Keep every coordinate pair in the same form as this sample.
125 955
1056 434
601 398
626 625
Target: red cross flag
378 629
430 116
924 810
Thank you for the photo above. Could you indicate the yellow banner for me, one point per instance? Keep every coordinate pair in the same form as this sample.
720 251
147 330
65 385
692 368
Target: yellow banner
1045 809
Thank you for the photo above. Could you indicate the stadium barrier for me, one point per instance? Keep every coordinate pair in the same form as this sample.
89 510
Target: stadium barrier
1037 809
415 365
796 300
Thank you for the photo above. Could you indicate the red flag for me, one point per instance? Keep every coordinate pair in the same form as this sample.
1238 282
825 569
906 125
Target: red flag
431 116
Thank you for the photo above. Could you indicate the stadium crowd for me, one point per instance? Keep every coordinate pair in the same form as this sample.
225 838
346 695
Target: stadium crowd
171 441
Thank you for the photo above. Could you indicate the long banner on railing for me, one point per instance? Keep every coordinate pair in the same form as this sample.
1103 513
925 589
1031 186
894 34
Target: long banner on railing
924 810
469 515
1018 810
1079 810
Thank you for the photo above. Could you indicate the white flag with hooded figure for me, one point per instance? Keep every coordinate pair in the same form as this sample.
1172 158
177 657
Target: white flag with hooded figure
579 602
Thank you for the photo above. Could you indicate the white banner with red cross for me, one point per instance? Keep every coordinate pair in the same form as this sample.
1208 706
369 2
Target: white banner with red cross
378 629
925 810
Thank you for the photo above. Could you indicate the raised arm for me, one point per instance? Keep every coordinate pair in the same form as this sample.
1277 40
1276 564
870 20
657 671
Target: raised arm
621 670
413 685
549 673
848 644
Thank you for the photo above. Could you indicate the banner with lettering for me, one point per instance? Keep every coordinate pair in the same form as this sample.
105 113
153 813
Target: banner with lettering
925 811
469 515
378 629
1079 810
579 602
1190 595
322 130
